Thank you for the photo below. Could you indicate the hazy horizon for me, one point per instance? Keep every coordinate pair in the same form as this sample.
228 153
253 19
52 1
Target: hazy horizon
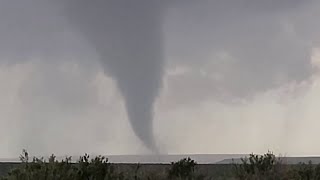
180 77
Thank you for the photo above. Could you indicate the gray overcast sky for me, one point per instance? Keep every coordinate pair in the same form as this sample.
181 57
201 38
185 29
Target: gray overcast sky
240 75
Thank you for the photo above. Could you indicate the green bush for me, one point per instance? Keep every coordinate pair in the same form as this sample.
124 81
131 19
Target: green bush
85 169
265 166
183 169
305 172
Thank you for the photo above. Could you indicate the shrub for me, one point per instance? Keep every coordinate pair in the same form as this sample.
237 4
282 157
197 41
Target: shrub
183 169
305 171
265 166
85 169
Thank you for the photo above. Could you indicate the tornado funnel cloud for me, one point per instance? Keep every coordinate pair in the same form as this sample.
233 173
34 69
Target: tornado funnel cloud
128 36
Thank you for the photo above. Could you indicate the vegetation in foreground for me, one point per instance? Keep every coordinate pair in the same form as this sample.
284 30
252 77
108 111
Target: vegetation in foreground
254 167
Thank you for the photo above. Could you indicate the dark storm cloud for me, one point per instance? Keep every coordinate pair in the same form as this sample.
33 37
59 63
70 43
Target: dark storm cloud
127 36
265 42
231 48
34 29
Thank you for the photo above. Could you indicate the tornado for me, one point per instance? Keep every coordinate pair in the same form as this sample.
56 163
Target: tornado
127 35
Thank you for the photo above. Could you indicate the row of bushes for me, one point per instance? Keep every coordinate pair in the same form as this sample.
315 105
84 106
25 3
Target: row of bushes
86 168
254 167
269 167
